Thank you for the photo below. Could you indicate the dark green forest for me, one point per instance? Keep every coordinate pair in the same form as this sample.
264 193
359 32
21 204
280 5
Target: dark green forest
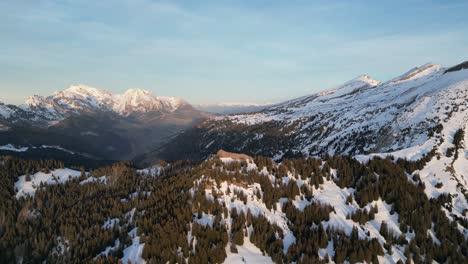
63 223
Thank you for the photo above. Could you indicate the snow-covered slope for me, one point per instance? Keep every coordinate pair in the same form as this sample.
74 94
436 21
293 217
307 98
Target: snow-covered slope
361 106
247 253
250 199
359 117
28 184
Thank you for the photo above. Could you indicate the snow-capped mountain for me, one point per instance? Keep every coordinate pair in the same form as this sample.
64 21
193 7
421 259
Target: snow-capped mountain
359 117
95 121
81 98
137 100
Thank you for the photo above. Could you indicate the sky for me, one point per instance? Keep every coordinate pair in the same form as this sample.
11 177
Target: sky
221 51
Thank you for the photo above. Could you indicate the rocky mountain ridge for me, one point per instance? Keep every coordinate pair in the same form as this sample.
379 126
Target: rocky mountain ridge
361 116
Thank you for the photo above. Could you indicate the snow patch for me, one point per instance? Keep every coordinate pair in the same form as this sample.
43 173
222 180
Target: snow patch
134 252
24 188
247 253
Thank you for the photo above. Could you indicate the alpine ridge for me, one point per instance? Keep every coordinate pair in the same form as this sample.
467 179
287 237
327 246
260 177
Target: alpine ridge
359 117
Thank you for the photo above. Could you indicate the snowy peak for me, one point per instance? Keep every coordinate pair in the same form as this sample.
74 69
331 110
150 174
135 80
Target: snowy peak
138 100
84 97
357 84
134 100
362 80
81 98
35 101
425 71
138 93
42 108
84 91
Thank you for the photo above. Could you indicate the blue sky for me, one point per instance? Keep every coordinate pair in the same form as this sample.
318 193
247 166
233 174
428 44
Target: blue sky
221 51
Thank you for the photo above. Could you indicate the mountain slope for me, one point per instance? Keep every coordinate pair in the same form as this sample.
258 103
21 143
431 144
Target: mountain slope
362 116
421 115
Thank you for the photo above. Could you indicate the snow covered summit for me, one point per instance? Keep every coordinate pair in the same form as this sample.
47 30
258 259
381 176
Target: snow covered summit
82 98
138 100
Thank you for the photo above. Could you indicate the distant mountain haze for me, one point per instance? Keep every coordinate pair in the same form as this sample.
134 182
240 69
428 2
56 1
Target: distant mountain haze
231 108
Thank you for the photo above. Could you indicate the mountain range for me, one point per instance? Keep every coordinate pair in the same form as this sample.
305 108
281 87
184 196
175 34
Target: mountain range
366 172
95 123
361 116
82 99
